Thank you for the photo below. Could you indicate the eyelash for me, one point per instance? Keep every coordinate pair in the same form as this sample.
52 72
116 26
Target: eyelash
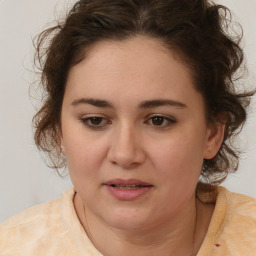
170 121
86 121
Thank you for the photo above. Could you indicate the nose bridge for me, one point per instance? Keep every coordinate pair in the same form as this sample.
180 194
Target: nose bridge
125 149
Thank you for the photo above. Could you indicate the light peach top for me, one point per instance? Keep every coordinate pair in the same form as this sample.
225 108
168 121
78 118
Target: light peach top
53 228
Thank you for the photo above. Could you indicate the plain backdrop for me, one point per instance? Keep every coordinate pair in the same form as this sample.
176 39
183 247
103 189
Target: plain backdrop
25 180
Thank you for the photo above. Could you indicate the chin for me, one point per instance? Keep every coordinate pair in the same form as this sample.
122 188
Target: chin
129 220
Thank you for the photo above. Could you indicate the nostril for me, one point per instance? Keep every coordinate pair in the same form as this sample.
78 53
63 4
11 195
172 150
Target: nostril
126 152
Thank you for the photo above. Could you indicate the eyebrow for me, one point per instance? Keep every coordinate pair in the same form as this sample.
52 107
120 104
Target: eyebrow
161 102
144 105
95 102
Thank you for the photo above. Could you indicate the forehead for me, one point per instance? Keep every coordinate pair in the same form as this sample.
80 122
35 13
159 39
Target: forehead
139 68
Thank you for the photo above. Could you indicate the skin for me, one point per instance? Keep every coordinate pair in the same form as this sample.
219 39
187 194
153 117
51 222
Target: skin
129 143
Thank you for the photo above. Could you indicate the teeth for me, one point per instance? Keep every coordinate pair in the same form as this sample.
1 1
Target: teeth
127 186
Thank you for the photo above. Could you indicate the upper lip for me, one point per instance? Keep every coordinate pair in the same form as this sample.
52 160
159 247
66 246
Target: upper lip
124 182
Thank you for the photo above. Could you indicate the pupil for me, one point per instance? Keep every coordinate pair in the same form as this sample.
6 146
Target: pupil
96 120
157 120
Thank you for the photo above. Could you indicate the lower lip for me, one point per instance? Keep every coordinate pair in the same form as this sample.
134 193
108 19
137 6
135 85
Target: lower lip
128 194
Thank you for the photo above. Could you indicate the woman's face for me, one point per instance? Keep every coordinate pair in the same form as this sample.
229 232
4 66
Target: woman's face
134 133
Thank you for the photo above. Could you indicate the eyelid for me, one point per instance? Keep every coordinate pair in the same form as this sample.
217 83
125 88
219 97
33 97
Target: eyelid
171 120
86 118
168 117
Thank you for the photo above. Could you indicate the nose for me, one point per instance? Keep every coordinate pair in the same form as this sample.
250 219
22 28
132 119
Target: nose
126 149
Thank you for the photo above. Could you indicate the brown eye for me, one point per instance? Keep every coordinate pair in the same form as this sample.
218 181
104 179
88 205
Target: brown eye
157 120
95 121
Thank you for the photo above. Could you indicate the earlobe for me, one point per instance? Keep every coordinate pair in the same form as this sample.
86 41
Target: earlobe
214 140
61 143
62 149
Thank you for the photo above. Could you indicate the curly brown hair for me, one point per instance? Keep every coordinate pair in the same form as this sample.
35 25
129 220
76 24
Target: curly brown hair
196 29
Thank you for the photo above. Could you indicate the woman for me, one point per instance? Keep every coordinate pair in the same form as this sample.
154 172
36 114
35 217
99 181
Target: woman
141 106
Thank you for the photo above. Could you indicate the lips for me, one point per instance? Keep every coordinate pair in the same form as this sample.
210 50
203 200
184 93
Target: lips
127 186
130 183
127 190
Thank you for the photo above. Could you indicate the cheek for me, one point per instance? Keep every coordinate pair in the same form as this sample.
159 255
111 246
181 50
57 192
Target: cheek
84 154
180 158
178 165
84 162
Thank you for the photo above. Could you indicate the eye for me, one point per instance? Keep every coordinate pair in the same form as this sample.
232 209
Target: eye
95 122
160 121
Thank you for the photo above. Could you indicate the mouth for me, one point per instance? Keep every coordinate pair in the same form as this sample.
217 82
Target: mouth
127 190
127 184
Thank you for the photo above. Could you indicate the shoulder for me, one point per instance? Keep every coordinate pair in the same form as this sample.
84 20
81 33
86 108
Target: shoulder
236 223
29 226
32 215
39 228
238 205
232 230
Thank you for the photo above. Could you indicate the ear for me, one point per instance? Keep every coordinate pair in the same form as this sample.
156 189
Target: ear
214 139
63 149
61 142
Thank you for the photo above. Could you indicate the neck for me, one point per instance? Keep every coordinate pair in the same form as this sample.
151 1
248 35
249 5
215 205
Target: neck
182 235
